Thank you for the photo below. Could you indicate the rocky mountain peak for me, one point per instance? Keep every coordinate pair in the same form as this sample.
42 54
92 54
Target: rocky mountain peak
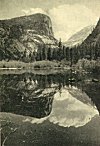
38 22
25 34
79 36
94 37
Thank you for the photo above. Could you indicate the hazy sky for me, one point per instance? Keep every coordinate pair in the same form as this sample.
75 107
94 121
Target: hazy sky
68 16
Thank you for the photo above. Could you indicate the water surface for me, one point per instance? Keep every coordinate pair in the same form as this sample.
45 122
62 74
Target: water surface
59 109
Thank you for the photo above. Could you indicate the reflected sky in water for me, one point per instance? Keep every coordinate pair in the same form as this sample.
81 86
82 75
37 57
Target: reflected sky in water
68 110
50 98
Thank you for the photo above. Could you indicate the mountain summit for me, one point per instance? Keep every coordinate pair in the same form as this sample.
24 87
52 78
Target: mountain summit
79 37
38 22
25 35
94 37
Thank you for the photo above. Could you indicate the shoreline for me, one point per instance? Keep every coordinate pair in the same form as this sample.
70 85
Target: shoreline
46 65
37 65
34 71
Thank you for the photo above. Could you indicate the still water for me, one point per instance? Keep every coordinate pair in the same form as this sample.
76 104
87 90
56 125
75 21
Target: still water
59 109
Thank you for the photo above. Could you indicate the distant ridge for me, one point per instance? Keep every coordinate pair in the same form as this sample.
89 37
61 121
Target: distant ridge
94 37
79 37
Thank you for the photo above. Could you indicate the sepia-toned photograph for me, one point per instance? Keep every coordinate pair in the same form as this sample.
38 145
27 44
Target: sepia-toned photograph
50 72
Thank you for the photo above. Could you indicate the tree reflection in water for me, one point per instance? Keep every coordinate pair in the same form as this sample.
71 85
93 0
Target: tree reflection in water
33 95
59 109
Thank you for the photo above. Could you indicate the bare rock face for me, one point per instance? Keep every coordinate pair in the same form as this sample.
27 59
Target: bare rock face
89 35
25 34
38 22
79 37
94 37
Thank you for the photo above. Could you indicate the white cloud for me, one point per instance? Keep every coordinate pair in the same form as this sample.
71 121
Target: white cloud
37 10
33 11
64 35
68 111
68 19
25 12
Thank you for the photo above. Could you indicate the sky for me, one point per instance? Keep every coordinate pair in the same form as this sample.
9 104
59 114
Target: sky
68 16
68 111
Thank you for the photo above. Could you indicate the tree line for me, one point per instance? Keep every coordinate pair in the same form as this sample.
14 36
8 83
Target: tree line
61 52
44 52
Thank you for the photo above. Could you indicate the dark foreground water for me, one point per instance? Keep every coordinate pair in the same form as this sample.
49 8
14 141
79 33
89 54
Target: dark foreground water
50 110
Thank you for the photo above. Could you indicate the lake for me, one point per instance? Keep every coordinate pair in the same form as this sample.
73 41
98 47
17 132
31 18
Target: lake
59 109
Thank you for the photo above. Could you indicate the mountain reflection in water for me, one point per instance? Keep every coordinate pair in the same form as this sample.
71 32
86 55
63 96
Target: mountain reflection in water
45 110
52 96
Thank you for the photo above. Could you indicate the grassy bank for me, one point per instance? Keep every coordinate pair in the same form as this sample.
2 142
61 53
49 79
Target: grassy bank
83 64
35 65
88 65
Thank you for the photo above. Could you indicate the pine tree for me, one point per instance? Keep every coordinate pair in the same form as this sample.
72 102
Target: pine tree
71 56
49 54
43 53
54 55
60 43
67 54
64 53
